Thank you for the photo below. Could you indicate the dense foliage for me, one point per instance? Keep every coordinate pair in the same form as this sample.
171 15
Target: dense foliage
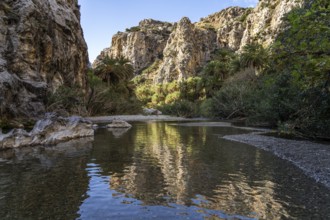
110 92
293 90
301 69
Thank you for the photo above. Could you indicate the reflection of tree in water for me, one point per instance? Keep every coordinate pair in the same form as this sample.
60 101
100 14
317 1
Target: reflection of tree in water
193 166
44 182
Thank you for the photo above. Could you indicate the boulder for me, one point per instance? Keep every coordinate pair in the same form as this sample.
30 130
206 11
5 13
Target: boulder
48 131
119 124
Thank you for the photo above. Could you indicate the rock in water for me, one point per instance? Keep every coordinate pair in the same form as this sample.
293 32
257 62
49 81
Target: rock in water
41 48
48 131
119 124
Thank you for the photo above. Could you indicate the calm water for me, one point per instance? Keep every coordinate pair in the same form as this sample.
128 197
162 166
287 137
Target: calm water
156 171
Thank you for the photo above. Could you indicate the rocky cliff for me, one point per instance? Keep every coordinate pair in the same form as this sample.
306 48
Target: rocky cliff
142 44
184 47
187 48
41 48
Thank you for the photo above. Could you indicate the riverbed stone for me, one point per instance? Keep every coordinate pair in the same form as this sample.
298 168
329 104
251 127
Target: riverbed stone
52 129
119 124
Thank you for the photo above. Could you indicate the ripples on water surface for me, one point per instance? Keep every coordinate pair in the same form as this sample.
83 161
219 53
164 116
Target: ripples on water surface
156 171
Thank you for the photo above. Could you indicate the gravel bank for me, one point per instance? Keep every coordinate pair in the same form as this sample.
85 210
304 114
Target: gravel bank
312 158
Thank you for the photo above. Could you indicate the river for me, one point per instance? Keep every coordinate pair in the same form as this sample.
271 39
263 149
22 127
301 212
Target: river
156 170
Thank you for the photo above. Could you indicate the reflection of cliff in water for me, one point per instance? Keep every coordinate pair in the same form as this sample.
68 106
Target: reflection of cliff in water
44 182
193 166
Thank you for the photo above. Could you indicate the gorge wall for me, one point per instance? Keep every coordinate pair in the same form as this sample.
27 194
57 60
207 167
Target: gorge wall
177 51
41 48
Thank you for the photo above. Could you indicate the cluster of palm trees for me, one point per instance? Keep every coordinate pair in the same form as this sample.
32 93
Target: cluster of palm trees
226 63
114 70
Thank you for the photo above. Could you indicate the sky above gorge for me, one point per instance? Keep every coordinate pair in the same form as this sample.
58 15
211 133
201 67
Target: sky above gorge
101 19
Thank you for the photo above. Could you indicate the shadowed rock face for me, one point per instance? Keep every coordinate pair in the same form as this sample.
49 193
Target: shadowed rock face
41 48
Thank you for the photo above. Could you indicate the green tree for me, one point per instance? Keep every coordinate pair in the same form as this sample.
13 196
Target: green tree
115 70
299 71
254 56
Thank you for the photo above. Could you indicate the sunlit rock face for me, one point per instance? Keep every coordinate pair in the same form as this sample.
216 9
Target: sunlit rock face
229 25
265 22
178 51
142 45
41 48
187 49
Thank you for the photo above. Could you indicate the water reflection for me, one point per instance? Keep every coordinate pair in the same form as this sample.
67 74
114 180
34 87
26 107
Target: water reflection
156 171
118 132
161 164
44 182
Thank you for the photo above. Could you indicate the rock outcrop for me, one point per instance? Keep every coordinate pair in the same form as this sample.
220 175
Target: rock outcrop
41 48
182 48
48 131
188 48
265 22
142 44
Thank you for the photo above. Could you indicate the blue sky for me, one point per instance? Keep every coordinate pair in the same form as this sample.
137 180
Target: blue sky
101 19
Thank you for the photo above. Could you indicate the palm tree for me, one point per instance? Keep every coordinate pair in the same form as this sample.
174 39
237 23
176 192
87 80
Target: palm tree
254 56
114 70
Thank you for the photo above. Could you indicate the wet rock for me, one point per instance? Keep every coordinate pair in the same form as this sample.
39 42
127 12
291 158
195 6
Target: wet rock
48 131
119 124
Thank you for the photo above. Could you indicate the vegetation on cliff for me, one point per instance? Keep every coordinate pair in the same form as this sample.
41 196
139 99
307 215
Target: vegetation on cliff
292 90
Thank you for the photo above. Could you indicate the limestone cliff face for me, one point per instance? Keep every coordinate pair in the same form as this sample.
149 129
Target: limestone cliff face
142 45
41 48
265 21
189 45
188 48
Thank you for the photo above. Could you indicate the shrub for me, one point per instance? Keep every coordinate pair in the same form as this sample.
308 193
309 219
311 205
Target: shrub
181 108
233 99
67 100
172 97
133 29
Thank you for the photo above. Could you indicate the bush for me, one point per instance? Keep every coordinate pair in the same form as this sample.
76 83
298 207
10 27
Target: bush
172 97
111 99
133 29
182 108
67 100
234 98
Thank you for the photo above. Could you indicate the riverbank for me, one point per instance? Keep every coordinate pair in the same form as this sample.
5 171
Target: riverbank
313 158
108 119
